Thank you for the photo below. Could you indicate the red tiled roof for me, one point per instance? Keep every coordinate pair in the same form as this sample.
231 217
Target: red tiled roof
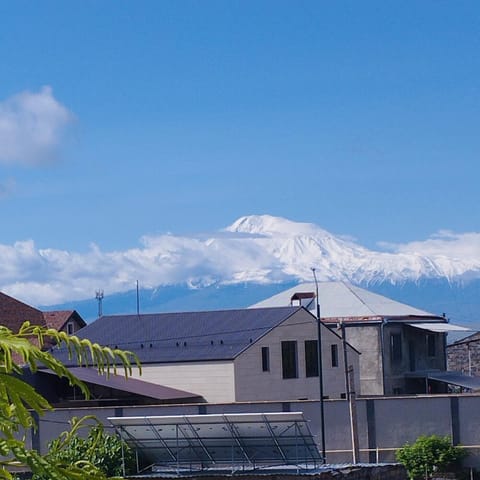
58 318
13 313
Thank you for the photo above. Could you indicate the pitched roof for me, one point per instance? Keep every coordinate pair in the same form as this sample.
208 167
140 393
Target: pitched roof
58 318
131 385
13 313
341 300
185 336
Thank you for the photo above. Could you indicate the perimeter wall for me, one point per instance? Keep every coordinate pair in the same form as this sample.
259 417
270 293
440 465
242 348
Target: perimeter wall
384 423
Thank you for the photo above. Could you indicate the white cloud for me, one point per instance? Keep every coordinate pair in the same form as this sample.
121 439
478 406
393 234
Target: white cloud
49 276
32 128
461 246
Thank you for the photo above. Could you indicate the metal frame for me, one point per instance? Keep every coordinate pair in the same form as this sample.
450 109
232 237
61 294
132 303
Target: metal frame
186 443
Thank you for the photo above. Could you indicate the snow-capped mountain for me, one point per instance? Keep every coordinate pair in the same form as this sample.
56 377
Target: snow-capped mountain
258 256
290 249
259 249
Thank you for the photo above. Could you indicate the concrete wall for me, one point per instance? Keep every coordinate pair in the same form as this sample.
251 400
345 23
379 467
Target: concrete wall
367 340
384 424
251 383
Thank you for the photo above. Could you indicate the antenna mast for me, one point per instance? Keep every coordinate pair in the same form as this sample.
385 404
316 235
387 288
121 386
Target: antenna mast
138 301
99 297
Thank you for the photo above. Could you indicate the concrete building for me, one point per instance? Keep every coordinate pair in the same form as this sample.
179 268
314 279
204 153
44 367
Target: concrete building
230 355
402 348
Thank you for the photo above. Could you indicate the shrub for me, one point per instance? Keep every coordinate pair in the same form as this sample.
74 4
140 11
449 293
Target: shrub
430 454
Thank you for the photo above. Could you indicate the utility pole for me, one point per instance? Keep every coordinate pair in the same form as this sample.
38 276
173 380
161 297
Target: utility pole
320 366
350 395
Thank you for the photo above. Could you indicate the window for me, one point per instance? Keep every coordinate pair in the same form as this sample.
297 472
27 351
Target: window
311 358
265 359
70 328
289 359
334 352
396 347
431 345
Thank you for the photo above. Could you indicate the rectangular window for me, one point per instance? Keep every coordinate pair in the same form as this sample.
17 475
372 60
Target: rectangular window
289 359
431 345
265 359
70 328
334 352
396 347
311 358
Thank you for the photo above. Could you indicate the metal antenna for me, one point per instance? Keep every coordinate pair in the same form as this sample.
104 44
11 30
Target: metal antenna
99 297
138 301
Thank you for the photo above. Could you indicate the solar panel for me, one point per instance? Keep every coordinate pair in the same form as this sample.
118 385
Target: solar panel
233 441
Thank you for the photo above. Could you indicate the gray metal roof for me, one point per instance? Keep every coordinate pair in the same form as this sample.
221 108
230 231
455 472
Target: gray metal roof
186 336
450 377
343 300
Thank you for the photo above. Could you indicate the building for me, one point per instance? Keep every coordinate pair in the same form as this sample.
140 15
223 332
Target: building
230 355
402 348
464 355
13 313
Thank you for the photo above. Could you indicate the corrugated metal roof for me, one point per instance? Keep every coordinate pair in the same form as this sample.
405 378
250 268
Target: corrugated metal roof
186 336
343 300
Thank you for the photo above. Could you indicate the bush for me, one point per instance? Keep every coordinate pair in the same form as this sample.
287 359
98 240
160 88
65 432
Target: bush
430 454
104 451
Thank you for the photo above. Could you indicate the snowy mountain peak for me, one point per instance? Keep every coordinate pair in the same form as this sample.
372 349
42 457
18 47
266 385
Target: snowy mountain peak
270 225
258 248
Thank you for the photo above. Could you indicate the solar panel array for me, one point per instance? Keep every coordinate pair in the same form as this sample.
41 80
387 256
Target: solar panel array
197 442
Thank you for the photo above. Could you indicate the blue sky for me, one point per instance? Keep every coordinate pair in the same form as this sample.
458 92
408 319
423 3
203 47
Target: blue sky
181 116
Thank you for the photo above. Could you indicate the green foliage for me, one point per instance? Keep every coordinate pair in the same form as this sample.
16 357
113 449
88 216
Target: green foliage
19 401
100 449
429 454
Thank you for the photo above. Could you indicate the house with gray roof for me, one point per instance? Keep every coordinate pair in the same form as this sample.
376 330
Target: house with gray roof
402 348
230 355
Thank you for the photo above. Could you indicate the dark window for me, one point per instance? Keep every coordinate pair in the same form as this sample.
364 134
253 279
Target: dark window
334 351
396 347
431 350
289 359
70 328
265 359
311 358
